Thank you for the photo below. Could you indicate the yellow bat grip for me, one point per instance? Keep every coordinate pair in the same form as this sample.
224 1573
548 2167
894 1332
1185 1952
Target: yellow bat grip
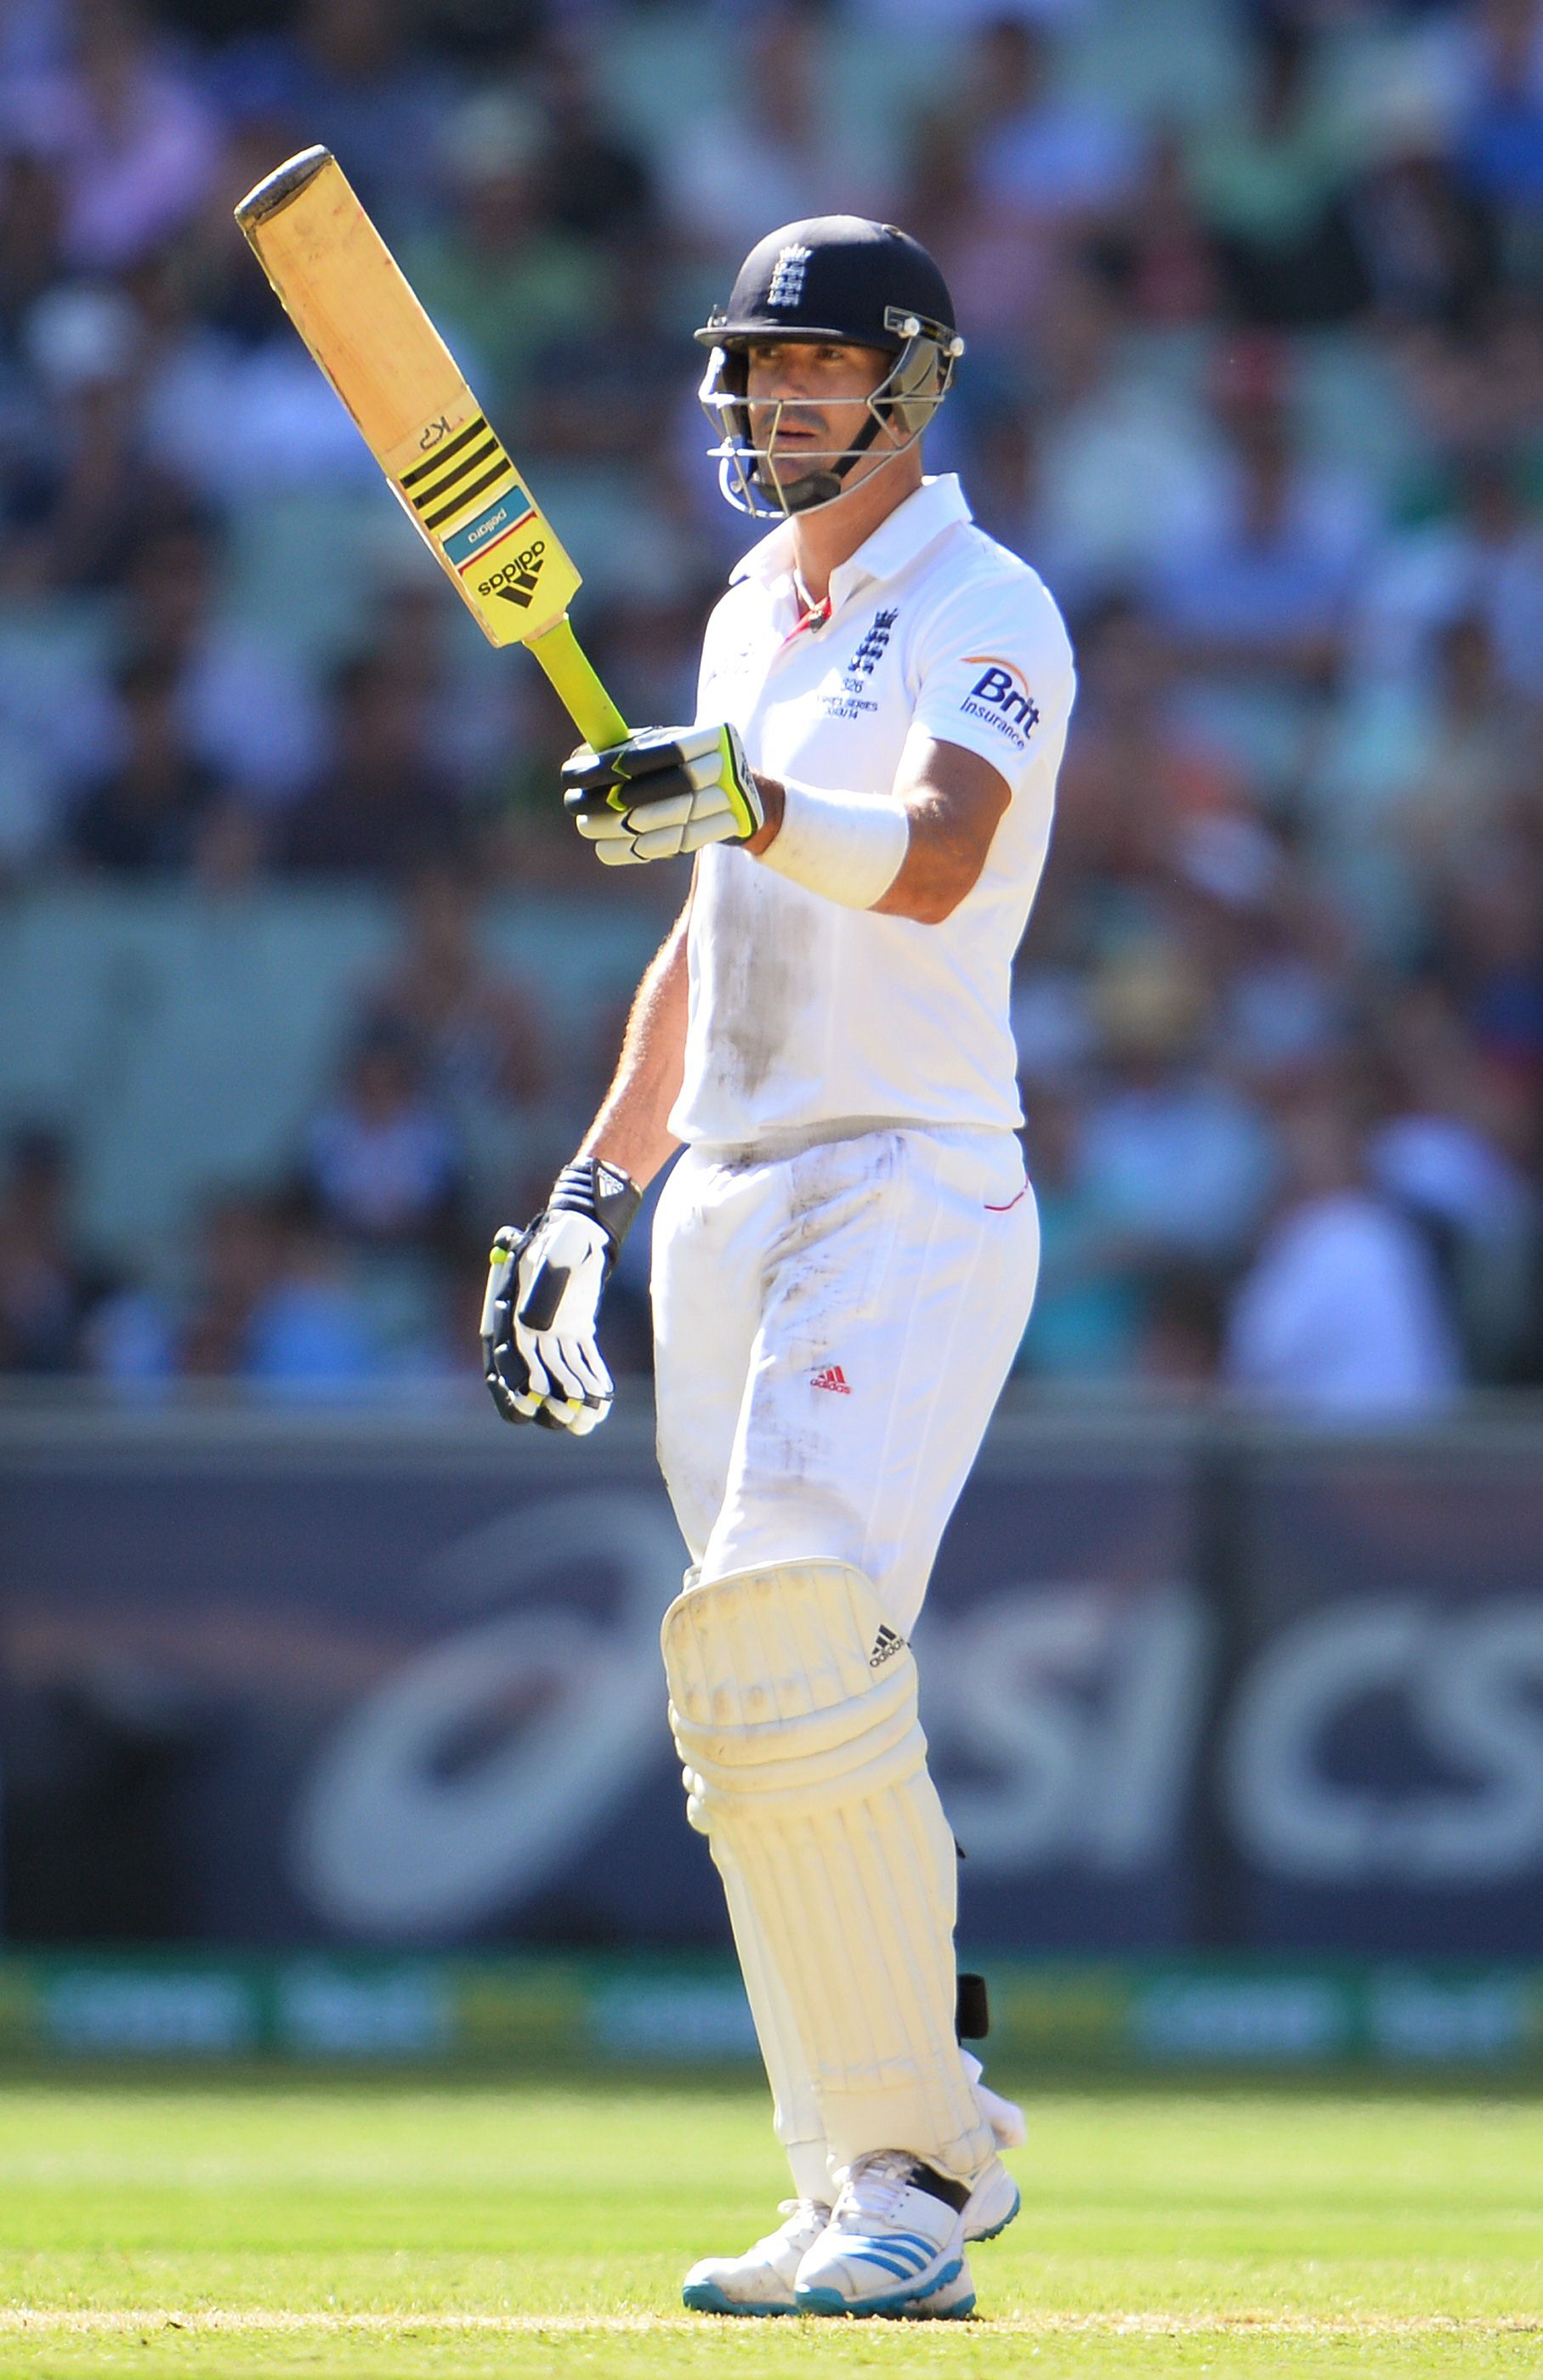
587 704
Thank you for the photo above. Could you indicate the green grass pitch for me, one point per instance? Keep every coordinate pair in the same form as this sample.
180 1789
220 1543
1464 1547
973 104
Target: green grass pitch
400 2228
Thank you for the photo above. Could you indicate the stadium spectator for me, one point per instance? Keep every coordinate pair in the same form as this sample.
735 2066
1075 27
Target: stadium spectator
480 1037
1500 136
272 1304
381 1161
1488 932
1124 454
1272 951
244 703
1129 733
1013 172
602 185
132 139
1156 249
32 208
307 1334
351 74
86 489
780 145
499 275
1439 1152
1177 1161
50 1283
1342 1316
145 816
1047 155
236 1263
1262 584
382 808
1416 774
1270 181
1482 555
1427 244
1088 1313
479 1033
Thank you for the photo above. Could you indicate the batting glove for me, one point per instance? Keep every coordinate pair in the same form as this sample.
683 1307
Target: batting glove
668 791
540 1354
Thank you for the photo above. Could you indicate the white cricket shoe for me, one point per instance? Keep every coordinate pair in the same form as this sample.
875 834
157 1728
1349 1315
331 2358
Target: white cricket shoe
953 2303
993 2202
896 2237
761 2281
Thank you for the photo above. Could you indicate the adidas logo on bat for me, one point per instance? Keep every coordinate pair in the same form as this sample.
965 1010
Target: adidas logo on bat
516 582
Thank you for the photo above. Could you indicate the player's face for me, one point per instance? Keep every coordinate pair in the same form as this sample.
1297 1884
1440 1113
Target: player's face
822 392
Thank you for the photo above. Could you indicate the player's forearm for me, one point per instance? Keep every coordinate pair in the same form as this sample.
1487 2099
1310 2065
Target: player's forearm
915 854
943 859
631 1129
847 847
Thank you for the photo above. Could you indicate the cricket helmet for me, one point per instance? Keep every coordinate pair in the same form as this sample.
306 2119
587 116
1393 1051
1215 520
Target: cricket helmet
838 280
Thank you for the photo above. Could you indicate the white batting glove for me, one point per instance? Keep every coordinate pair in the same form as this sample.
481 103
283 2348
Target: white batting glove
667 791
540 1356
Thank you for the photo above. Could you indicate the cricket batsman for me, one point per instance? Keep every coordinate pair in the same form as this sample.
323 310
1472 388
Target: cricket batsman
844 1255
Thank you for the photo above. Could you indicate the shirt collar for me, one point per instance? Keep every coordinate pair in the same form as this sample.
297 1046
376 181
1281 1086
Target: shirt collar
898 539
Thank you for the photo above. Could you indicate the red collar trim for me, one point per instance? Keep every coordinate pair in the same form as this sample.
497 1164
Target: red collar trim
815 617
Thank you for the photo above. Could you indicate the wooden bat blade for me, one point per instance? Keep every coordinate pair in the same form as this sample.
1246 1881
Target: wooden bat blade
345 294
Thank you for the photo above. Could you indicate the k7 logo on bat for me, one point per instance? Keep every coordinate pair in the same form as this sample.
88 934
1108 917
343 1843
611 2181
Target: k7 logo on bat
1000 697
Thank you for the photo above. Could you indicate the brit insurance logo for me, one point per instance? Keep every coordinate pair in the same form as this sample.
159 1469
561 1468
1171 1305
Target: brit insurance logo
1000 697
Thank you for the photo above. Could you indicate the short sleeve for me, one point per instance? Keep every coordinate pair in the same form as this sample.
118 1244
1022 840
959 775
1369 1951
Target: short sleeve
996 674
707 666
717 637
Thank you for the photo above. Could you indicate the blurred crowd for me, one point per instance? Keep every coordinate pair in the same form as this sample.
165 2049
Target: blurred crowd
1254 301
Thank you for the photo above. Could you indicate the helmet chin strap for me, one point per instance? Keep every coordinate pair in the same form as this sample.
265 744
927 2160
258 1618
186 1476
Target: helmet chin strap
816 488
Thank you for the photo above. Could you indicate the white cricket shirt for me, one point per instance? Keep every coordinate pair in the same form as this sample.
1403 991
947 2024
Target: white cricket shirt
803 1011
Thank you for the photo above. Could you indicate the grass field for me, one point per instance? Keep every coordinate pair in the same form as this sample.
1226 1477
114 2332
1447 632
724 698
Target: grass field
399 2228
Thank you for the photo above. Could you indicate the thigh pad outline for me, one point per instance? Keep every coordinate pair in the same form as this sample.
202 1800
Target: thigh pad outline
787 1685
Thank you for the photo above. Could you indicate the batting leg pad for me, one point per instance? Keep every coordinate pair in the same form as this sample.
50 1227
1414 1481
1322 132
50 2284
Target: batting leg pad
793 1705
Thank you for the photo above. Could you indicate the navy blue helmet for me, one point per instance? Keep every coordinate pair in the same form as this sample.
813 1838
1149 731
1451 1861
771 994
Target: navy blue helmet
839 280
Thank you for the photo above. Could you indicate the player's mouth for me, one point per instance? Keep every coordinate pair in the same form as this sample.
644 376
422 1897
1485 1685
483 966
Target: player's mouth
793 438
798 430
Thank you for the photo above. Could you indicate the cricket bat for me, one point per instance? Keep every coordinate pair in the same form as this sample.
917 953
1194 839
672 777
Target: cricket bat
345 294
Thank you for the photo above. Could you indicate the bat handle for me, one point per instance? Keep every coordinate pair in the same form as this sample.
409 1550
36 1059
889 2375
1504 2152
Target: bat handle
587 704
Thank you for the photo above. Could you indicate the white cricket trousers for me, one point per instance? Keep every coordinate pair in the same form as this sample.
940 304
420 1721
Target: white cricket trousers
832 1327
834 1322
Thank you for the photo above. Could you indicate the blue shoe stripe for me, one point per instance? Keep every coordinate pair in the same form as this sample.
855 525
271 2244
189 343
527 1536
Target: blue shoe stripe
910 2251
902 2272
825 2299
901 2239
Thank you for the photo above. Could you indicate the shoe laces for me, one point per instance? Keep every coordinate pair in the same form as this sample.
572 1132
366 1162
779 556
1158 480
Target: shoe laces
811 2214
874 2185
